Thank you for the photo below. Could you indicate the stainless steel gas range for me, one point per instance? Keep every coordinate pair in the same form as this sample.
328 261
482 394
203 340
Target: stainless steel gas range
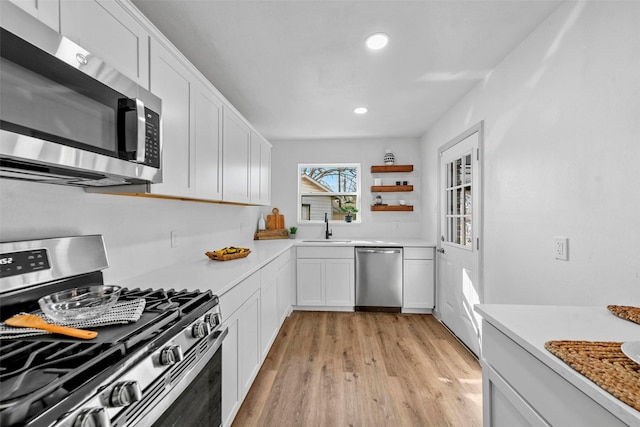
163 369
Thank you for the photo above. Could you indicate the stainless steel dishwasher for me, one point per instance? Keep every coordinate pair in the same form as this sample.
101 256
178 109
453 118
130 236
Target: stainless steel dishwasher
378 279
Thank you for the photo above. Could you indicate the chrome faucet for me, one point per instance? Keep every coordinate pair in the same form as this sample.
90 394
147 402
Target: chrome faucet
327 232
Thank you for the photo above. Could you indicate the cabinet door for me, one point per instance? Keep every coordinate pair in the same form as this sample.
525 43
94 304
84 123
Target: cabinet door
109 31
47 11
207 137
310 284
340 282
249 337
418 286
172 83
236 142
286 290
260 171
268 306
265 173
230 379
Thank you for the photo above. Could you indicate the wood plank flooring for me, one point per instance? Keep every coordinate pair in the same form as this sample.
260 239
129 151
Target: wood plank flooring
364 369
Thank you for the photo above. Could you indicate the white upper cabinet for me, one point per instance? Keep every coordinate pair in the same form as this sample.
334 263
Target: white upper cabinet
260 171
207 152
109 31
47 11
236 156
171 81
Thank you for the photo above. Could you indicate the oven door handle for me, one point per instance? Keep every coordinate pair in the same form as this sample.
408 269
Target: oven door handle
222 333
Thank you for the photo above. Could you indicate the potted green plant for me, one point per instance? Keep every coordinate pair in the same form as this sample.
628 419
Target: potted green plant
349 210
292 232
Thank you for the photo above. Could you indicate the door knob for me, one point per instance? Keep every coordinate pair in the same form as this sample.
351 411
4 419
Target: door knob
440 250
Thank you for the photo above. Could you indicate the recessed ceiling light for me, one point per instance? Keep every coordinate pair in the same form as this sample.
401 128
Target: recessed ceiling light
360 110
377 41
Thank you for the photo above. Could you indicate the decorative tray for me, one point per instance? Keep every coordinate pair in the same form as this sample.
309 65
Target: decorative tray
229 253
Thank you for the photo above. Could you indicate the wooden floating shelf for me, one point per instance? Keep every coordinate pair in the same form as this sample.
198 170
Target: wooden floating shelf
392 168
390 188
388 208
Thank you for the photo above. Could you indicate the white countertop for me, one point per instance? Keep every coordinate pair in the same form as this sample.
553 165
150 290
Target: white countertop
408 243
532 326
220 276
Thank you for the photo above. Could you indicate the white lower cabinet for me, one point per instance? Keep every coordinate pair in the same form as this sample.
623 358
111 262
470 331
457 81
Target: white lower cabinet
240 308
269 306
240 356
286 284
253 311
249 348
325 277
418 292
520 390
230 382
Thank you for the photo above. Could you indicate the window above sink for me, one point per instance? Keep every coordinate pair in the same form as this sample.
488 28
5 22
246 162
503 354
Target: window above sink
332 188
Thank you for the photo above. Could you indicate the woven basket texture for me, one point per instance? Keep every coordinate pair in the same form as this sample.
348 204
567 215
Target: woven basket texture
605 364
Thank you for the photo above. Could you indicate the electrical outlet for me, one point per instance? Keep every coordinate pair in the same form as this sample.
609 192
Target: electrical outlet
174 238
396 225
561 248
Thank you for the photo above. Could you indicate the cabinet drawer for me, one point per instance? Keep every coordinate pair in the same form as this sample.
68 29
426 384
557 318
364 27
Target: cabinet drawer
557 401
268 272
418 253
284 258
232 300
324 252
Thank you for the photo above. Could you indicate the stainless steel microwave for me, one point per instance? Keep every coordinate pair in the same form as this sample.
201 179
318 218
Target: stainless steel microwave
66 116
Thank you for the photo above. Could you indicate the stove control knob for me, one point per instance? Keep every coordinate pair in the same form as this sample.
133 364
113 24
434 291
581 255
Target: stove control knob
92 417
125 393
200 330
213 319
171 355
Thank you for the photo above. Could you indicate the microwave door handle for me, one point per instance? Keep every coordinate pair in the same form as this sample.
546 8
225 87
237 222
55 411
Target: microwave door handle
142 132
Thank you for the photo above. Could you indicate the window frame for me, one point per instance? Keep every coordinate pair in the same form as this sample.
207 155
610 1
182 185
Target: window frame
457 209
357 194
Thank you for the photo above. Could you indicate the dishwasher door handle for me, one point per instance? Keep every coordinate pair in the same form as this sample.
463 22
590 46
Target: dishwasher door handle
379 251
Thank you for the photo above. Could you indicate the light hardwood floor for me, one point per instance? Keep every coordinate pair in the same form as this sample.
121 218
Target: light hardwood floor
364 369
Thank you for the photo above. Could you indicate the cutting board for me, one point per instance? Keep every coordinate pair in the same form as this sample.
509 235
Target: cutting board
270 234
275 221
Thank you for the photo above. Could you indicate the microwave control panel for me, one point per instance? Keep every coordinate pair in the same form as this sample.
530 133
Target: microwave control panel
152 138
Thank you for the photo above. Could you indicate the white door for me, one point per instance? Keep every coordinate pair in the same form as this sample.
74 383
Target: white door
458 254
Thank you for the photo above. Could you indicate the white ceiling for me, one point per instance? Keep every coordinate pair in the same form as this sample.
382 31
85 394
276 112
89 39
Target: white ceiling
296 69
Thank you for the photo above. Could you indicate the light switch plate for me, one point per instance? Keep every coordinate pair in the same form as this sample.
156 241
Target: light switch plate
561 248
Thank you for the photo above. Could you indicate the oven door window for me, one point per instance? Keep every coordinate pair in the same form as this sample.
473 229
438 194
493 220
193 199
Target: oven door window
200 405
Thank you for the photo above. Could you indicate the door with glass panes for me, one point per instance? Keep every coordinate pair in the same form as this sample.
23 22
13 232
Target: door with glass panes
458 252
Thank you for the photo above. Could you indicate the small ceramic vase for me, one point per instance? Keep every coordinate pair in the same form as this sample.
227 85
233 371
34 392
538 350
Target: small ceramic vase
389 158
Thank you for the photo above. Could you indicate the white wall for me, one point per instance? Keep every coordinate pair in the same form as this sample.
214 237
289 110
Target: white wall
288 153
562 154
136 229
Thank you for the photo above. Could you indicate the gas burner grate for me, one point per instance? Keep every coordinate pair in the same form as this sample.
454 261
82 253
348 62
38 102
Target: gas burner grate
41 377
37 374
159 300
